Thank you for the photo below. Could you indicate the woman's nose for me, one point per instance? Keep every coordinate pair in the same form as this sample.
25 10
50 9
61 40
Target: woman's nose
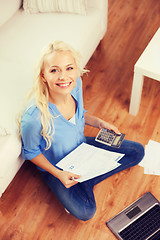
62 76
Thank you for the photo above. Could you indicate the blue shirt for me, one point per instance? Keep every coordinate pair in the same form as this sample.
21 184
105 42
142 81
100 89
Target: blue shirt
67 135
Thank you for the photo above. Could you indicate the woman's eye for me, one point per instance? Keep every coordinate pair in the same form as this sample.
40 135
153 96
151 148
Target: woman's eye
70 68
54 70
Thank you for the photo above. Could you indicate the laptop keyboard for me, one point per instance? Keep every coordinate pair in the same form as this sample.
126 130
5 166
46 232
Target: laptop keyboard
144 226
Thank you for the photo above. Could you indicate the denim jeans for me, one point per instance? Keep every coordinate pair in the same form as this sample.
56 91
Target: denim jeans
79 199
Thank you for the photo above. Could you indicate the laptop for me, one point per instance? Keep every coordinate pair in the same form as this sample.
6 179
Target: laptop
139 221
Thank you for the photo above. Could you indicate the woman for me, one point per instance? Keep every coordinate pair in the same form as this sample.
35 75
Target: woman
52 126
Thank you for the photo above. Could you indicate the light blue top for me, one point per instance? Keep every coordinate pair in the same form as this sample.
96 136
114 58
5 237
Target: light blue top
67 135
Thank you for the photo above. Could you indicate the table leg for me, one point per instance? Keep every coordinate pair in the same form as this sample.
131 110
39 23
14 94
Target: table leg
136 93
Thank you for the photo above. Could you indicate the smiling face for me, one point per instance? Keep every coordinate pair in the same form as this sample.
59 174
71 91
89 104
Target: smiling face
60 73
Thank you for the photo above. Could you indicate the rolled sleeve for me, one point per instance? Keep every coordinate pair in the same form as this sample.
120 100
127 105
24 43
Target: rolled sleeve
31 136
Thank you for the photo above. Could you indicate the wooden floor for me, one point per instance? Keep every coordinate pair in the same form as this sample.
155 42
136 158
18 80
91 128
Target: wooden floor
28 209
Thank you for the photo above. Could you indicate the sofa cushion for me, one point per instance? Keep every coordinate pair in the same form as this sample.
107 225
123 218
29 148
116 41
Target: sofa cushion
16 80
72 6
8 9
20 44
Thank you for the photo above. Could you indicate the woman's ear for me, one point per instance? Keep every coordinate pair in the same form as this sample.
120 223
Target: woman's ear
42 76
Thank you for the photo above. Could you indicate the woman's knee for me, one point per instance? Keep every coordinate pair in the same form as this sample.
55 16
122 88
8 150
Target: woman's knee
140 152
134 153
84 213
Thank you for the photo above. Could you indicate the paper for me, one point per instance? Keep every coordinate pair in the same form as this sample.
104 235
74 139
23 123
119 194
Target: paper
151 160
89 161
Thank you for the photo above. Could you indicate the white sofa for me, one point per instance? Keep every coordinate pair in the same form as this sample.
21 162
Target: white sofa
22 36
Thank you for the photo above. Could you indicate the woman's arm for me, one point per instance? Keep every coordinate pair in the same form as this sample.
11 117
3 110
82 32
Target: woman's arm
99 123
67 178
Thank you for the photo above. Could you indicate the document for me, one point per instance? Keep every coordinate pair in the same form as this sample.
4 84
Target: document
151 160
90 161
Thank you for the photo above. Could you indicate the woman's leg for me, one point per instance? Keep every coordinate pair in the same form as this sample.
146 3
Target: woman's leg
133 151
78 200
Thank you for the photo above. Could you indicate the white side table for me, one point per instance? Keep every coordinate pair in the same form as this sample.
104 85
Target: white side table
147 65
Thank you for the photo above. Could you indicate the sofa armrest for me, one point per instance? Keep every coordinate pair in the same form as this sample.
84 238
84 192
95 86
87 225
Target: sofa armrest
102 5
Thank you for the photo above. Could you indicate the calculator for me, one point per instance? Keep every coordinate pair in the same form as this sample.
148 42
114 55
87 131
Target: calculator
109 137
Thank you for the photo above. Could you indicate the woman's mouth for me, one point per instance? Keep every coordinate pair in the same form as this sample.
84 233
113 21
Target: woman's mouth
63 85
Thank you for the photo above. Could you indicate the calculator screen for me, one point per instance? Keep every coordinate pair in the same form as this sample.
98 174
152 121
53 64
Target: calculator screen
116 140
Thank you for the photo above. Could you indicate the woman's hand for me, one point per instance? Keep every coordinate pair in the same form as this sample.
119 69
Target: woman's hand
67 178
103 124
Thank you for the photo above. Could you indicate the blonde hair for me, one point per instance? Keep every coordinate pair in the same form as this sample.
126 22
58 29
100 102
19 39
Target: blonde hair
40 88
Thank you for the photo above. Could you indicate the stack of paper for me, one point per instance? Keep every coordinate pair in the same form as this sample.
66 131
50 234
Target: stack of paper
89 161
151 160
